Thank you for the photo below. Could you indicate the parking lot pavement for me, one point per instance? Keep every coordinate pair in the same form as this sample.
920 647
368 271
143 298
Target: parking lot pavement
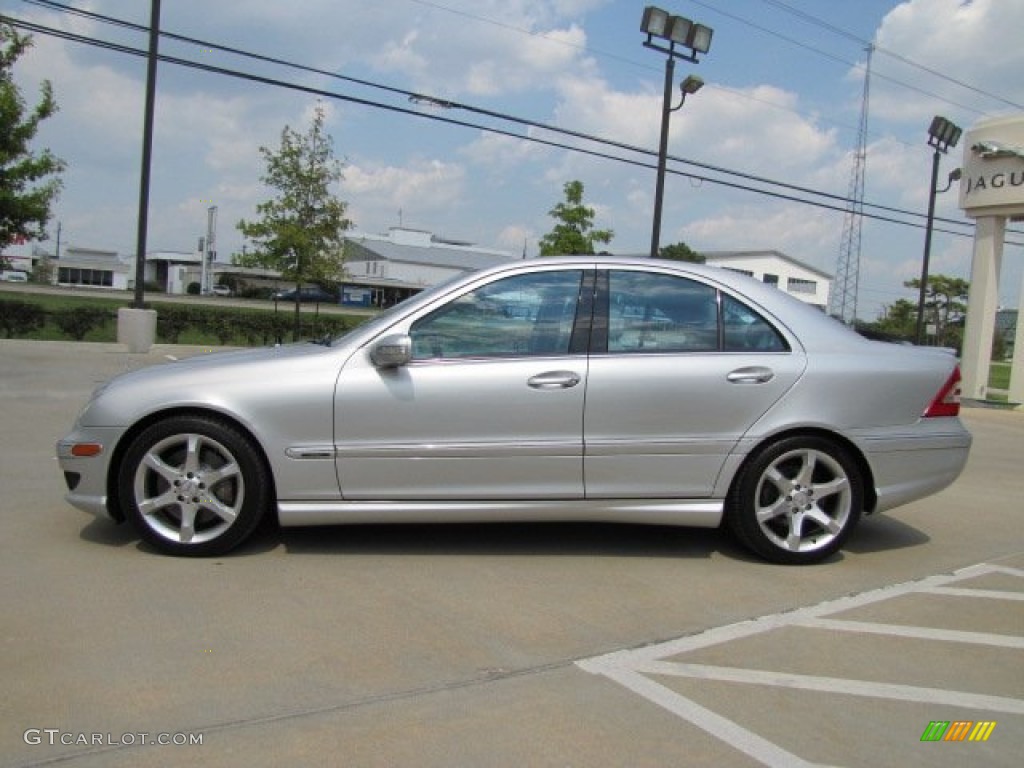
561 645
815 680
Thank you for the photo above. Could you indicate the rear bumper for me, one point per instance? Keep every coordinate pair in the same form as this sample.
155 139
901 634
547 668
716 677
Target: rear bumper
910 464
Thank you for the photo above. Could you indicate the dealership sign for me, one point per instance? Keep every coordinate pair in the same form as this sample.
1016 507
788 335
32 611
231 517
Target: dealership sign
993 168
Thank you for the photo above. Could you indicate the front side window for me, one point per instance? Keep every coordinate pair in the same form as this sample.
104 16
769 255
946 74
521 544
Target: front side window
519 316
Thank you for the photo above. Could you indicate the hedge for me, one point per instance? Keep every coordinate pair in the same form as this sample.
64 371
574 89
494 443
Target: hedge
176 323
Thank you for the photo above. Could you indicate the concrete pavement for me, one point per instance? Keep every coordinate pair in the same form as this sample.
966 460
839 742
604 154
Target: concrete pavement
561 645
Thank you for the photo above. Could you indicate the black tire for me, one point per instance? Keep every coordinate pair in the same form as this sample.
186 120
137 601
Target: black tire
193 485
796 501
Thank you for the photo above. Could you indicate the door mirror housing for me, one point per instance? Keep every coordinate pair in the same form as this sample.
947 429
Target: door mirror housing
391 351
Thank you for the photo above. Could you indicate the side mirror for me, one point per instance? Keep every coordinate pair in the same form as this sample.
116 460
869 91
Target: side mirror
391 351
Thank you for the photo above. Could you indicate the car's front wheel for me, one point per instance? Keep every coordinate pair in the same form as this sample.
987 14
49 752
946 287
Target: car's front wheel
797 500
193 485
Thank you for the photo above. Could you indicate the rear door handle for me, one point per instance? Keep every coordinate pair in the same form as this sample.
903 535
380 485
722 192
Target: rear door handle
755 374
554 380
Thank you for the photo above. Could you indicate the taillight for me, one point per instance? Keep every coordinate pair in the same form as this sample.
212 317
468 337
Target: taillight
947 401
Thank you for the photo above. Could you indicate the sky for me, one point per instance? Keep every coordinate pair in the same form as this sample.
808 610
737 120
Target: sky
782 102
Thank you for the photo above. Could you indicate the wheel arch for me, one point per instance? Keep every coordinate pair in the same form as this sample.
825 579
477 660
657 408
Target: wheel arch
854 451
113 467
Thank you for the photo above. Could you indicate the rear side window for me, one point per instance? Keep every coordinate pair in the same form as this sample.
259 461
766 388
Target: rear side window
746 331
649 312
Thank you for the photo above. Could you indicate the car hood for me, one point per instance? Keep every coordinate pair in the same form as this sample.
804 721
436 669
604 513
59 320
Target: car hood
223 360
221 380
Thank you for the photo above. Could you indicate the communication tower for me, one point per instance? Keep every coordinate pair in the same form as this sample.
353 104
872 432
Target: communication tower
843 300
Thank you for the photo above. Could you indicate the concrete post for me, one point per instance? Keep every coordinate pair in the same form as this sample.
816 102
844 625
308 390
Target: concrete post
136 328
1016 394
982 303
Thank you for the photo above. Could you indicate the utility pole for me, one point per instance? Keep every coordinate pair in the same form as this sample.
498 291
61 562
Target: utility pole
147 153
209 253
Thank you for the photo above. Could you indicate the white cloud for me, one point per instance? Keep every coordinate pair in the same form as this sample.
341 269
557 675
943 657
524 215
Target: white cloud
976 43
421 189
807 235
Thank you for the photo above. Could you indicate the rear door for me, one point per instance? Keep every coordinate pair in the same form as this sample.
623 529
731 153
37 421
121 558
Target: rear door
678 373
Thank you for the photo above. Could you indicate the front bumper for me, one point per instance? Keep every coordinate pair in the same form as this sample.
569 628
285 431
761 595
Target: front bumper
86 475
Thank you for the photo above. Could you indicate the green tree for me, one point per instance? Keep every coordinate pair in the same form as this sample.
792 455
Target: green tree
28 183
574 233
945 305
898 319
300 231
680 252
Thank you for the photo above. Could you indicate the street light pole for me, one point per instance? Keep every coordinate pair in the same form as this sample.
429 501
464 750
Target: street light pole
919 335
942 134
659 188
675 30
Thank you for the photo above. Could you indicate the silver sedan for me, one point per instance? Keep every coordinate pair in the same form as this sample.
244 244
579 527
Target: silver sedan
578 388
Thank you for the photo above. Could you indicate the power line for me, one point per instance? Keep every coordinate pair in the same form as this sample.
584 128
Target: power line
53 5
425 98
846 62
879 49
206 67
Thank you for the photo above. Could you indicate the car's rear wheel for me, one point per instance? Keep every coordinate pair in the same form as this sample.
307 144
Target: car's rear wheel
797 500
193 486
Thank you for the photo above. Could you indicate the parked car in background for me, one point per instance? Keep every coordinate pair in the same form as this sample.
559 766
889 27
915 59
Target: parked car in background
577 388
309 293
221 290
14 276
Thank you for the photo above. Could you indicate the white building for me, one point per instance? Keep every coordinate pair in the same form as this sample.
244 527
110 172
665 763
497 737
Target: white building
93 268
173 271
383 269
774 268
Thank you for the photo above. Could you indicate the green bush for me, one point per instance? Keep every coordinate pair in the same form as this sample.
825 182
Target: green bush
171 321
77 322
19 318
65 317
255 292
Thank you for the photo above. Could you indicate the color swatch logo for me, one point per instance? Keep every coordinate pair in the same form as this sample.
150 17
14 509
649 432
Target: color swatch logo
958 730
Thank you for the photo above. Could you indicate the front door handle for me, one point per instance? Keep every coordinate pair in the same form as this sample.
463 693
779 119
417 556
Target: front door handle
554 380
755 374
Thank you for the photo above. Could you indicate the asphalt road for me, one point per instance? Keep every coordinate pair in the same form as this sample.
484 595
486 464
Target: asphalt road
504 645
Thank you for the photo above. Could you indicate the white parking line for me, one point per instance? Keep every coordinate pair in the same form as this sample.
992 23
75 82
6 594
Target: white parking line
631 668
995 594
917 633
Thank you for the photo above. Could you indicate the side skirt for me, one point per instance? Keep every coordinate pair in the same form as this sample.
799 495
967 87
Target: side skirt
700 514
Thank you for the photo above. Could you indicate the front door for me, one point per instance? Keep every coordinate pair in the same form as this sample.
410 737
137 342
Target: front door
491 406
